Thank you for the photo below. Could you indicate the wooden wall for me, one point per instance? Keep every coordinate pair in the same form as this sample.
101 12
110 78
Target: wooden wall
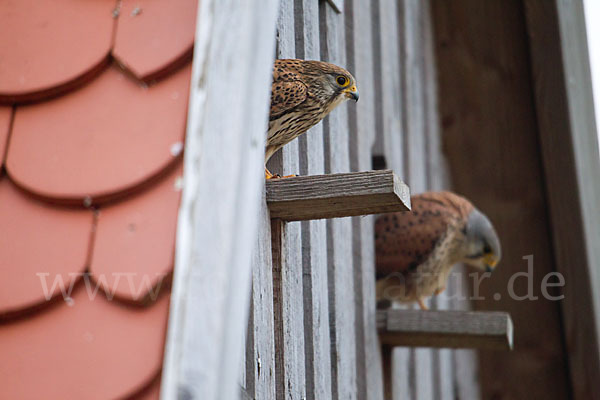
490 136
312 330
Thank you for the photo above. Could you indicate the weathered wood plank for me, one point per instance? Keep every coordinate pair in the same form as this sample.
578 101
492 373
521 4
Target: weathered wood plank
451 329
314 242
359 44
480 85
339 230
437 179
564 105
218 219
290 373
260 343
389 110
336 195
412 58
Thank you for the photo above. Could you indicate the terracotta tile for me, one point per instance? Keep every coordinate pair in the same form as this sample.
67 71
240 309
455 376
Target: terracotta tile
38 239
5 115
49 45
154 36
101 141
135 240
151 392
83 349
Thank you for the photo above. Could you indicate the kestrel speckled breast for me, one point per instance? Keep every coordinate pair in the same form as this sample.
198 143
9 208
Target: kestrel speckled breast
302 94
416 250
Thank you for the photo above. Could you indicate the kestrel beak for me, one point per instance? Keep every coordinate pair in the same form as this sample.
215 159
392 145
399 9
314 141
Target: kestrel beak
490 261
351 93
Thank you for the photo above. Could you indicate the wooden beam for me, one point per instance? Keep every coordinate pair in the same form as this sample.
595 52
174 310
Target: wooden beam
218 218
336 195
564 104
453 329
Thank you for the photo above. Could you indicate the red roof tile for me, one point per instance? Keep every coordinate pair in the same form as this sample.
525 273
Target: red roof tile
151 39
135 241
88 190
48 46
83 349
5 116
101 141
39 246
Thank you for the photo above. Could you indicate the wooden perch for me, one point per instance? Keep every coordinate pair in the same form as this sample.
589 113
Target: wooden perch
336 195
455 329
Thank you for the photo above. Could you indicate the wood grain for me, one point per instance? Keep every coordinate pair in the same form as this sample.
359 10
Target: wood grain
565 112
413 22
339 230
491 139
218 220
336 195
260 341
452 329
290 371
360 43
317 345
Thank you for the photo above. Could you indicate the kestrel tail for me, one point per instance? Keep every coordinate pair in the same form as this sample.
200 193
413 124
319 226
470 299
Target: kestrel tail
302 94
415 250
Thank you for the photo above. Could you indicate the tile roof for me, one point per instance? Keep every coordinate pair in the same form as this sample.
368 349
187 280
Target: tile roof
93 102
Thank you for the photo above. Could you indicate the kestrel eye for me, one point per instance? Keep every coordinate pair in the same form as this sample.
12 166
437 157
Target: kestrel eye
342 80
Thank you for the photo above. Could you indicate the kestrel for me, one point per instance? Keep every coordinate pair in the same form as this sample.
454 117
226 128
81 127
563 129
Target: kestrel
416 250
302 94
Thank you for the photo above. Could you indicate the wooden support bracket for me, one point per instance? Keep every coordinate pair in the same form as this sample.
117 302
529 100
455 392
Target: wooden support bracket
454 329
336 195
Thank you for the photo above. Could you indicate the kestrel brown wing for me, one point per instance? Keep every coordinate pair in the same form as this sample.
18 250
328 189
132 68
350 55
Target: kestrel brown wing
287 91
405 240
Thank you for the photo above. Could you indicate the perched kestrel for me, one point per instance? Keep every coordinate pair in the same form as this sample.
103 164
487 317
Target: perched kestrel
302 94
416 250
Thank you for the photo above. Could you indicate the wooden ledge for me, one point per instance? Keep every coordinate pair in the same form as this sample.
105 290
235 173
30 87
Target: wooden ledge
454 329
336 195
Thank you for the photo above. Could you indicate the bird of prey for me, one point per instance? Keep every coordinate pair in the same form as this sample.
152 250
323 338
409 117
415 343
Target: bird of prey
415 250
302 94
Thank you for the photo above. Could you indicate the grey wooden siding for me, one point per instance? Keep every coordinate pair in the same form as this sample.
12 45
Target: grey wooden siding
312 329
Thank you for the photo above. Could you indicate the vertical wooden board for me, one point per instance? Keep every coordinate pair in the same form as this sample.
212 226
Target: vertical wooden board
288 285
402 386
464 363
485 86
564 105
414 95
339 230
388 75
314 243
416 153
260 343
443 371
360 43
218 220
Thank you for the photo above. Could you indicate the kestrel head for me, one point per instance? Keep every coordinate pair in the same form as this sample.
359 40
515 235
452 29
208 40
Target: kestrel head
329 83
482 246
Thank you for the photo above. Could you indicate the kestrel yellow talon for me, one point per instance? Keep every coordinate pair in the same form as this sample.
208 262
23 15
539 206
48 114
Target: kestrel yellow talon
269 175
418 248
